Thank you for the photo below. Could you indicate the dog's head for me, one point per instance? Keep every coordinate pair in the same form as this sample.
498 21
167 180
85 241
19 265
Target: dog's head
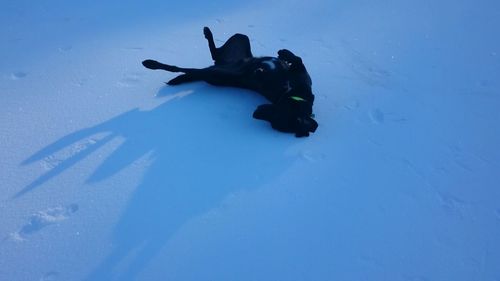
293 115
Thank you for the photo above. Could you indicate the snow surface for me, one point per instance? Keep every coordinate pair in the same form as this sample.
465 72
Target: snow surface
107 174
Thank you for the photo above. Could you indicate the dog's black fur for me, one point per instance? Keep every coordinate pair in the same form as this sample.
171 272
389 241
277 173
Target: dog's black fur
284 81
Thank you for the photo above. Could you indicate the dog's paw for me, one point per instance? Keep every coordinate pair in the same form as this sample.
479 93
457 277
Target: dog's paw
301 134
208 33
151 64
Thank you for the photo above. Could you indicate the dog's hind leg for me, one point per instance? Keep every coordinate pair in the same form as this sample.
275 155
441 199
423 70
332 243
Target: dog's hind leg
235 49
211 44
211 75
152 64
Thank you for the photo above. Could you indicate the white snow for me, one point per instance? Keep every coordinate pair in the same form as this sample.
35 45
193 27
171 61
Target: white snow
108 174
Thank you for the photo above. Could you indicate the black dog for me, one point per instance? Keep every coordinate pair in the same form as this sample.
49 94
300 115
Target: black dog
283 80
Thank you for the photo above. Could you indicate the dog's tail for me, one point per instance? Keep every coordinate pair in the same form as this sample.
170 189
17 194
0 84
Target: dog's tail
152 64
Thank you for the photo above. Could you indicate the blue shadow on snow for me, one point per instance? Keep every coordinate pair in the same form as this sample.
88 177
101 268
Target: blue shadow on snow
203 146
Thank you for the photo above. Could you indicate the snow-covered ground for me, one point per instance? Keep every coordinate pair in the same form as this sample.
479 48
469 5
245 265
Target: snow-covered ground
107 174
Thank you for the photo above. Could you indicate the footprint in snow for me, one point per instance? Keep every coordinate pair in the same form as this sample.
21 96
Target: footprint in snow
65 49
312 157
453 206
41 219
351 105
18 75
50 276
377 116
129 80
416 278
133 48
52 161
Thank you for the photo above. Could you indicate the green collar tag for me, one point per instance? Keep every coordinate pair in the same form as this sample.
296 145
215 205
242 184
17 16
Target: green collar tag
295 98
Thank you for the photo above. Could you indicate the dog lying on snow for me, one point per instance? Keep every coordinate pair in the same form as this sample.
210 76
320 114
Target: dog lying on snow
284 81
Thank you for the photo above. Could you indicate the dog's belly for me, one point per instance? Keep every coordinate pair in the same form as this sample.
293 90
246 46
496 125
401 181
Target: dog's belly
270 78
266 75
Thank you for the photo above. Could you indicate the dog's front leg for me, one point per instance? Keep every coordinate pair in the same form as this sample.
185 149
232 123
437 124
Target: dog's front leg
181 79
210 75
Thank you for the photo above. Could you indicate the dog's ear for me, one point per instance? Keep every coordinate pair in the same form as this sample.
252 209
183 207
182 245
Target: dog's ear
265 112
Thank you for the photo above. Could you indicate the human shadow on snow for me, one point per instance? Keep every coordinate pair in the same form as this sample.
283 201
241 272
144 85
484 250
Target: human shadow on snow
203 146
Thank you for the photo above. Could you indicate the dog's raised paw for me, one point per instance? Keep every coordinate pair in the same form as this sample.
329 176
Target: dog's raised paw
208 33
151 64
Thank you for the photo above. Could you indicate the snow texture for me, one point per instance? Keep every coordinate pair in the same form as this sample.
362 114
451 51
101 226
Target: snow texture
108 174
